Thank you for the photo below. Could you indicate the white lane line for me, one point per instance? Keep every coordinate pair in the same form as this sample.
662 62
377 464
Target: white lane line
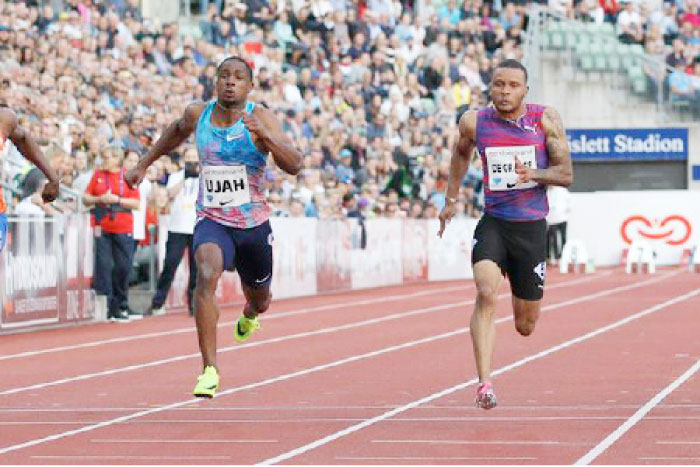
305 408
181 441
284 314
669 459
301 335
273 380
328 420
150 458
433 458
479 442
369 422
636 417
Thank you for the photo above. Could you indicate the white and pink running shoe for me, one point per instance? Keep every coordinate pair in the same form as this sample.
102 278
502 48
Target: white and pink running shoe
485 397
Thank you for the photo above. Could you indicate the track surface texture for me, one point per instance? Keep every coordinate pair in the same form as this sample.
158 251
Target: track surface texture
381 376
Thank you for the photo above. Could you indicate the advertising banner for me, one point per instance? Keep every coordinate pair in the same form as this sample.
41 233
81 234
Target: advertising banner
628 144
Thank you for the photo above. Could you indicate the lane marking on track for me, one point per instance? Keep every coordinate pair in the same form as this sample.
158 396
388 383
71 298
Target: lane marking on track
480 443
435 458
283 314
326 420
636 417
369 422
272 316
669 459
301 335
304 408
318 368
678 442
180 441
150 458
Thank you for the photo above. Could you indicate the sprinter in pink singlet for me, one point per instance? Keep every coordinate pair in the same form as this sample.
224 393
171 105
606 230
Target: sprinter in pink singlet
234 137
523 148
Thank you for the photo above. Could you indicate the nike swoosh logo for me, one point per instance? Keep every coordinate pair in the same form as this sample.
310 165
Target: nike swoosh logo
232 137
224 203
540 286
211 387
260 281
511 185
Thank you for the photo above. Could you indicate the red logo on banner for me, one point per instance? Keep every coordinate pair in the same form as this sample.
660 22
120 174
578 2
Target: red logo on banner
673 230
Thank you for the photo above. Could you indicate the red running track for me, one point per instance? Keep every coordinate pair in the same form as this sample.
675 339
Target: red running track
384 376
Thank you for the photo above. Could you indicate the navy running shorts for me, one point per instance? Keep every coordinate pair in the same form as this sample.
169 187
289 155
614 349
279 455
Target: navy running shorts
519 250
248 251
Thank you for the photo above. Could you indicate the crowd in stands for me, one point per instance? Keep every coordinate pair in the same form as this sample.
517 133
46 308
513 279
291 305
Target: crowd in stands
369 90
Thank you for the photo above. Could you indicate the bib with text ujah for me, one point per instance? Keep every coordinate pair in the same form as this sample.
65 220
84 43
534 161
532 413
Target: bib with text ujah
225 186
501 166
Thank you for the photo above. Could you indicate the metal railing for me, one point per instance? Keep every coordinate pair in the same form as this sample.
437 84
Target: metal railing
635 73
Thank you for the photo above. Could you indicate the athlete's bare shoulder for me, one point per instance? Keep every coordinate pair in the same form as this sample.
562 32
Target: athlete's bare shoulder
194 110
188 122
551 121
467 124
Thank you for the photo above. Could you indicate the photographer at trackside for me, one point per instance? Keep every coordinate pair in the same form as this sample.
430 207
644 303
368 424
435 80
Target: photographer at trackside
112 203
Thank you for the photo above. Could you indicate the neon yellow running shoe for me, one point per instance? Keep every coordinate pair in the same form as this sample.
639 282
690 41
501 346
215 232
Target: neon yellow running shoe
207 383
245 328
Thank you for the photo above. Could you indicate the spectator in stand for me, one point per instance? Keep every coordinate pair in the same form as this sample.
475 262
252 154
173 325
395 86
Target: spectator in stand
31 203
629 24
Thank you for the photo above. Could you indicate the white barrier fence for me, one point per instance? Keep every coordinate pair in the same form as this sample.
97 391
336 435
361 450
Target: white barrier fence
46 271
46 268
608 222
312 256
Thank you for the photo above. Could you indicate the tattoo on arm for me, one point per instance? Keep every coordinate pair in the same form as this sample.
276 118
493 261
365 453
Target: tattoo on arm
560 170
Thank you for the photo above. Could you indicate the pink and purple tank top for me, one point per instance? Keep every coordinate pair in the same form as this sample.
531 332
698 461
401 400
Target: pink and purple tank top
499 141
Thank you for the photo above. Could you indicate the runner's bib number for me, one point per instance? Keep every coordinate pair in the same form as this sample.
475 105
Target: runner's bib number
501 166
225 186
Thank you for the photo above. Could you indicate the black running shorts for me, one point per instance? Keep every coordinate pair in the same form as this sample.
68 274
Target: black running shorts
519 250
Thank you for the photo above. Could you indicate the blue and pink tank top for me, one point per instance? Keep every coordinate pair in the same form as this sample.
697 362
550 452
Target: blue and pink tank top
499 142
231 181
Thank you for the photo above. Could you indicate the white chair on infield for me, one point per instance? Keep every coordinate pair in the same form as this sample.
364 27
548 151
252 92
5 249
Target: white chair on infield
573 254
640 253
694 260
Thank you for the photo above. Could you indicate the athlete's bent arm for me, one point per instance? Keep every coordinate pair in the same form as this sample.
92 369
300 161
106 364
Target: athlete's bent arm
459 164
172 137
29 149
265 125
560 171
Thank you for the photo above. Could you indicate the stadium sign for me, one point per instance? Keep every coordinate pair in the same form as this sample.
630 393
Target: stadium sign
629 144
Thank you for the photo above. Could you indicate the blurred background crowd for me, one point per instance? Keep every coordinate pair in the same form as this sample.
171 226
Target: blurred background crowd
370 90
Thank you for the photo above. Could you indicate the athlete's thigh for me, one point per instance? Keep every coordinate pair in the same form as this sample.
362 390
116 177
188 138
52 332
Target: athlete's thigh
525 309
488 277
526 246
488 243
213 247
254 255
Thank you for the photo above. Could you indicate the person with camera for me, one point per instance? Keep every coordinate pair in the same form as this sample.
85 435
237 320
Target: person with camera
112 202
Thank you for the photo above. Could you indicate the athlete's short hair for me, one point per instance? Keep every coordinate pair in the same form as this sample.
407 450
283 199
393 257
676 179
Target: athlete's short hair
513 64
236 58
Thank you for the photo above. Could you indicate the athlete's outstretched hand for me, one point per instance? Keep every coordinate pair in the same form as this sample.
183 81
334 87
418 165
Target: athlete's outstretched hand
254 125
525 174
134 177
446 215
50 192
